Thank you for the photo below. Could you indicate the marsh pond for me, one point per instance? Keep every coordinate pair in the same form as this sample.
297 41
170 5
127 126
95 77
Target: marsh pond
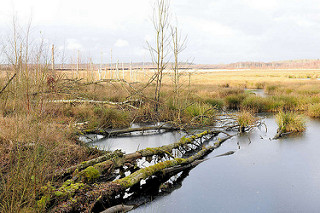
262 175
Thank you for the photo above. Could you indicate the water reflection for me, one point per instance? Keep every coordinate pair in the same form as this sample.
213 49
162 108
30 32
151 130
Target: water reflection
132 144
262 176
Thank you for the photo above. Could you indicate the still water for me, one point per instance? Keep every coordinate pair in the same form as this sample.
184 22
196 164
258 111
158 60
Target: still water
263 175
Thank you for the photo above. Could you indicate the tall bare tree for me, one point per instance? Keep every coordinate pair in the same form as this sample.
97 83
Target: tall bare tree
160 51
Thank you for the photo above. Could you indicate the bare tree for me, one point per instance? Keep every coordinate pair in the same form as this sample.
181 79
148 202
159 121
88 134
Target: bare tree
160 51
178 45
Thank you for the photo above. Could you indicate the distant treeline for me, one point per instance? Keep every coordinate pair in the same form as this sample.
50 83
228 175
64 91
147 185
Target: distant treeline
289 64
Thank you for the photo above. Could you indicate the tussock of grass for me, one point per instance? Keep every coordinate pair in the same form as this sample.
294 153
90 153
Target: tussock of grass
199 109
314 110
256 103
217 103
290 122
234 101
245 118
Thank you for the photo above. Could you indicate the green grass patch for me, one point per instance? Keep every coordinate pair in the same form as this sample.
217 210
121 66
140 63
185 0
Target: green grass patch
245 118
290 122
234 101
217 103
256 103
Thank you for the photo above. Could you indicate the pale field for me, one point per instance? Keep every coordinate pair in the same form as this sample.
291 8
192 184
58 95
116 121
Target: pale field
247 77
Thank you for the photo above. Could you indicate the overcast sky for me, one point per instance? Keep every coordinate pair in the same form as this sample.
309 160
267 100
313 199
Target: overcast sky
219 31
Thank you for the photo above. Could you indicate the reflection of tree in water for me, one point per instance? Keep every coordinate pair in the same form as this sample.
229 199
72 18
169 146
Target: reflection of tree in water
155 187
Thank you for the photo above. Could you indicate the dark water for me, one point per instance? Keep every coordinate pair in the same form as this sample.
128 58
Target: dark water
262 176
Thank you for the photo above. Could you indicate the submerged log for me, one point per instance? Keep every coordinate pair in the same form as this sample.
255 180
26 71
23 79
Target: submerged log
225 154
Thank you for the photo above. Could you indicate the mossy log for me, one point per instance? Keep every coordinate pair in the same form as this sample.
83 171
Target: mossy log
115 133
117 158
90 196
65 173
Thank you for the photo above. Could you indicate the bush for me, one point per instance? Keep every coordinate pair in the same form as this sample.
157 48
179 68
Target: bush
290 122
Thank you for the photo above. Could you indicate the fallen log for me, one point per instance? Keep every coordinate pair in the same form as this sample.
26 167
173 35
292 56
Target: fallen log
281 133
114 133
91 196
118 158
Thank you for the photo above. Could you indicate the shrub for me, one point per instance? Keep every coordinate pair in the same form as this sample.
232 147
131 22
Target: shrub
290 122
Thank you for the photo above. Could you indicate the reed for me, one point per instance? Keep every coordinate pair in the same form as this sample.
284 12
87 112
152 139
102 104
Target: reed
290 122
314 110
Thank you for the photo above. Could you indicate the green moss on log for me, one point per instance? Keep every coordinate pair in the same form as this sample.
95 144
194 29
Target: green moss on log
143 173
89 174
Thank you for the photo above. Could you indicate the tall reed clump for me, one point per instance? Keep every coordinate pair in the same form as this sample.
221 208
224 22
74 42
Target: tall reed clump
234 101
245 119
215 102
314 110
256 103
200 113
290 122
111 118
